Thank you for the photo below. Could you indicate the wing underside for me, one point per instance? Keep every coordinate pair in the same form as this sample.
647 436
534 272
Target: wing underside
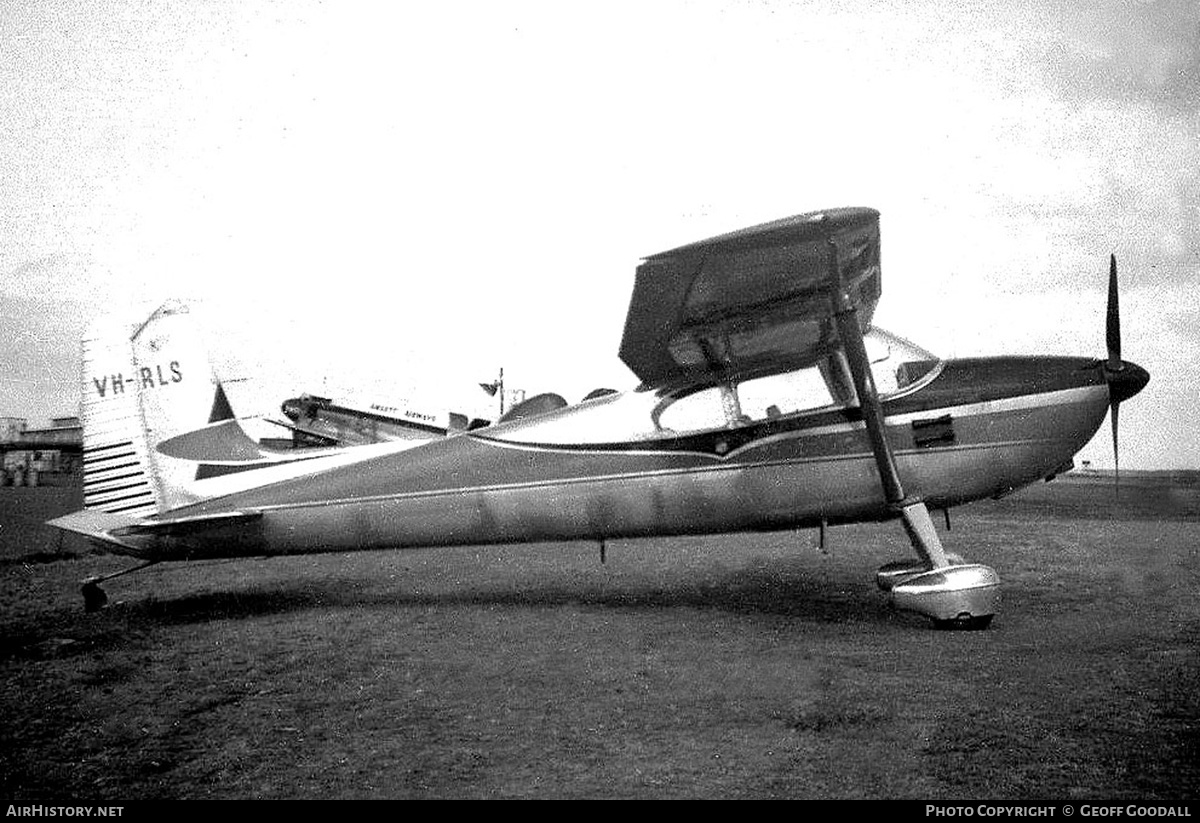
760 299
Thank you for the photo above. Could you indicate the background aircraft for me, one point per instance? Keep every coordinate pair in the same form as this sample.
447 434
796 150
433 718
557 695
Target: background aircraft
323 421
767 402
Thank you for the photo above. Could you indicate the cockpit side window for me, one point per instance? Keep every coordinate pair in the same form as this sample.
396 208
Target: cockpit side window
897 367
729 405
696 411
765 398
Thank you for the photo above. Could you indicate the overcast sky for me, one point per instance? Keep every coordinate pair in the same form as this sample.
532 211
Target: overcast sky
384 195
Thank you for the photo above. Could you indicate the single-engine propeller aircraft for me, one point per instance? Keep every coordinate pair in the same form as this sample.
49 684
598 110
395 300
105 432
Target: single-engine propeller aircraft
767 402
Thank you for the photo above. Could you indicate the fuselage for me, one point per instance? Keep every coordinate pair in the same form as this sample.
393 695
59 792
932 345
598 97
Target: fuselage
967 429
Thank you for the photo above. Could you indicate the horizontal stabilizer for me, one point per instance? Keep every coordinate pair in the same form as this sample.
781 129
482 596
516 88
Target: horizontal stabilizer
93 523
111 528
187 525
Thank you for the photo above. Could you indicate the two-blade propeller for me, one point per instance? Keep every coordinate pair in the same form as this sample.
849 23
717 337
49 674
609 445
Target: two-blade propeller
1124 379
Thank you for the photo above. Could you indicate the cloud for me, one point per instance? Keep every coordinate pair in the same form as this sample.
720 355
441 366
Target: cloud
1139 51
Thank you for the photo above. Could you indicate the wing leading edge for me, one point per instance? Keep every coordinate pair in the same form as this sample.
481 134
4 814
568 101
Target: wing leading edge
758 299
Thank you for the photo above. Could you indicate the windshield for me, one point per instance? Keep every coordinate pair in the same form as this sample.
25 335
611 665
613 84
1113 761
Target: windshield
898 365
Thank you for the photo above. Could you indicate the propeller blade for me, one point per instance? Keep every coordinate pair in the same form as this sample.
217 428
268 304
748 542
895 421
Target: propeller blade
1112 335
1113 325
1116 408
1124 379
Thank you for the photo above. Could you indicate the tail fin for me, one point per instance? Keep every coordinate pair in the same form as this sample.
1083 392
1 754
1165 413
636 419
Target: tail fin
140 389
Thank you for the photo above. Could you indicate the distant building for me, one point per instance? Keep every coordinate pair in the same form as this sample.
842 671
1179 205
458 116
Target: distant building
30 453
11 428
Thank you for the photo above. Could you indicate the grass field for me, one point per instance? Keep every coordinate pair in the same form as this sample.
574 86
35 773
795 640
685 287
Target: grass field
745 666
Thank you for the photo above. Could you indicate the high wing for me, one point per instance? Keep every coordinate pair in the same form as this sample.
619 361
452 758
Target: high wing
755 300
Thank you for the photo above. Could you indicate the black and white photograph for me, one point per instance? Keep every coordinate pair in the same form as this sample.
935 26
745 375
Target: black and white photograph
731 400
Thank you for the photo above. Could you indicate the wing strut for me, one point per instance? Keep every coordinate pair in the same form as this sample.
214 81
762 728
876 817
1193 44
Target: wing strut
917 522
954 595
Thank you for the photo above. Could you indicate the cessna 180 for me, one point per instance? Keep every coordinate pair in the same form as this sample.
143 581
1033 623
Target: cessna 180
767 402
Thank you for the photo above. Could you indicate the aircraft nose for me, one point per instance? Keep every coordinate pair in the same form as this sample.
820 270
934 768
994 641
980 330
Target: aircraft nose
1125 381
292 409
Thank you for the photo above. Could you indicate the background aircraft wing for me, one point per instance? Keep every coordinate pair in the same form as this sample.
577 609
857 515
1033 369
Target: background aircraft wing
752 300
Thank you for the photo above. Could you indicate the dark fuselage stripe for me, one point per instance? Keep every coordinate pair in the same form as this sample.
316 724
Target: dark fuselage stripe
628 476
208 470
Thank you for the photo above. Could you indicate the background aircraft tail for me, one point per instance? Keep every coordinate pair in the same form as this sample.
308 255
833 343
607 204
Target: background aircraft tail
142 386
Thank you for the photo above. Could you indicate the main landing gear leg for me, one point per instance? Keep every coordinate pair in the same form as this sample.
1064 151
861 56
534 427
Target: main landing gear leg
919 526
953 595
94 597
